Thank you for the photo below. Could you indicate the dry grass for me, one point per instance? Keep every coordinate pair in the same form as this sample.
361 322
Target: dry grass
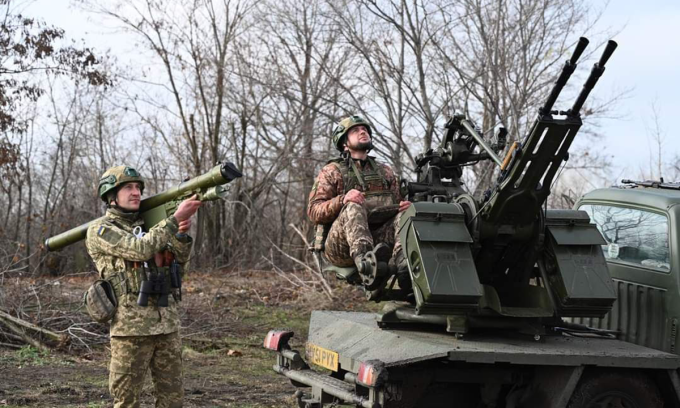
222 312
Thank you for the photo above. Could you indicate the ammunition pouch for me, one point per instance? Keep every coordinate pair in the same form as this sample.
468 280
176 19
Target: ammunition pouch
143 282
100 301
175 271
131 278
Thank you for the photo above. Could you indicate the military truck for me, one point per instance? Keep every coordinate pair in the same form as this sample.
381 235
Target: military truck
640 223
494 281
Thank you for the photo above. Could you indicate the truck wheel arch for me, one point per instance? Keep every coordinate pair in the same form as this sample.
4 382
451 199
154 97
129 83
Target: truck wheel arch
612 387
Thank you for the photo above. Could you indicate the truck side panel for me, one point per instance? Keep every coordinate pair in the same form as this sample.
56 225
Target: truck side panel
640 315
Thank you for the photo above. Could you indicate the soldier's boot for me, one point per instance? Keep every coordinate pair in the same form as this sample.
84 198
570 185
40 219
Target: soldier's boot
403 275
373 272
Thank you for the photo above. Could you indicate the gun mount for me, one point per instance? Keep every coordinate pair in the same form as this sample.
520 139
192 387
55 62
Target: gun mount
505 260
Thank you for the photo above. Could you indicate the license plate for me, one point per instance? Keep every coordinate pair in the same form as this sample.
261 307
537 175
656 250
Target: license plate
322 357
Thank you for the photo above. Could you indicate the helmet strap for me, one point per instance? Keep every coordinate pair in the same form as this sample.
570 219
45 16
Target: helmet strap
119 208
113 196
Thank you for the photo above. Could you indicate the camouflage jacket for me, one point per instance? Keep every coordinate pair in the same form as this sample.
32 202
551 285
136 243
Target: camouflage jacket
325 199
118 253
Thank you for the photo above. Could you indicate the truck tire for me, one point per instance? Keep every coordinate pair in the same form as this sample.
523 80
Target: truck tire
614 389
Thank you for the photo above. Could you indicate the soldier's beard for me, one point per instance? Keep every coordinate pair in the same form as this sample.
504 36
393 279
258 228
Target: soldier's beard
361 146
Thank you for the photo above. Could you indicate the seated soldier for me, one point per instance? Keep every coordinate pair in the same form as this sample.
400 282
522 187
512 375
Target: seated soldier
358 201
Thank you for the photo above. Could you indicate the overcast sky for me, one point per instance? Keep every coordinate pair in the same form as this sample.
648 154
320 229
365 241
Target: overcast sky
647 62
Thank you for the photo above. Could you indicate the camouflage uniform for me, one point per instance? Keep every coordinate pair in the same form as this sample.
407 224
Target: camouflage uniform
352 233
141 337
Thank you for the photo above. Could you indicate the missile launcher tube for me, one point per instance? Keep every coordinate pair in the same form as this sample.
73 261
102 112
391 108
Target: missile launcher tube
208 186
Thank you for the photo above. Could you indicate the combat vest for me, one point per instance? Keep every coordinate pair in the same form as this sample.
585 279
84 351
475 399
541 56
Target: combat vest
381 204
129 281
370 181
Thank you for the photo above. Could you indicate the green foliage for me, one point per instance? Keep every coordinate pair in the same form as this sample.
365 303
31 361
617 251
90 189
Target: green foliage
284 318
29 355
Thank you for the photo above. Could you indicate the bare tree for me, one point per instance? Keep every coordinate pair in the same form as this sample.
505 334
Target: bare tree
303 64
29 48
657 138
261 83
193 43
396 83
507 54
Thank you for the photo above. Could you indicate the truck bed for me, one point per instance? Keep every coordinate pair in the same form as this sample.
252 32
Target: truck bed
356 337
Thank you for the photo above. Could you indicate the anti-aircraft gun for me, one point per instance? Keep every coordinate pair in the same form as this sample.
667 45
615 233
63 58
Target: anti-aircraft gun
490 270
505 260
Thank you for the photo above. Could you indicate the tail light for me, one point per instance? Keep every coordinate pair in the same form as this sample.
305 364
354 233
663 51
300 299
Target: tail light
368 374
276 339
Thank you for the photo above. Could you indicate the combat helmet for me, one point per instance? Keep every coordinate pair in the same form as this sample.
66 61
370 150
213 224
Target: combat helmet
116 177
340 131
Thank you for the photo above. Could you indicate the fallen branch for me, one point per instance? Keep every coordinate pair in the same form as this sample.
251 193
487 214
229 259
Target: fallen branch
307 245
297 230
15 324
10 345
24 337
283 274
327 289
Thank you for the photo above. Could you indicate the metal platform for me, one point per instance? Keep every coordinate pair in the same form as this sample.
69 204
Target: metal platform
355 336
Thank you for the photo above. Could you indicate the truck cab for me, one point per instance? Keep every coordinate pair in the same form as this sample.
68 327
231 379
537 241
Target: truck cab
640 222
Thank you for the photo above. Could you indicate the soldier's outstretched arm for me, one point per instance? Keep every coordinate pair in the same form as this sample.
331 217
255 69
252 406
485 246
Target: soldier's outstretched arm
109 239
181 247
180 244
325 199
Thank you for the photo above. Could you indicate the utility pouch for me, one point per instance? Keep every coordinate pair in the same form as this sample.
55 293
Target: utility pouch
320 237
100 301
134 274
176 279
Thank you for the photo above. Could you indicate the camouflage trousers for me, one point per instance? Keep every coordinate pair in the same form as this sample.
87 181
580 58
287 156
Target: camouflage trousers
350 235
131 356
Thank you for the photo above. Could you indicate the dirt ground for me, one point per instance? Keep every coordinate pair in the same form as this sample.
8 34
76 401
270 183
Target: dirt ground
225 319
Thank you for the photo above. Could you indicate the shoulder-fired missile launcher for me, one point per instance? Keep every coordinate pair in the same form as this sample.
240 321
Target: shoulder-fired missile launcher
207 187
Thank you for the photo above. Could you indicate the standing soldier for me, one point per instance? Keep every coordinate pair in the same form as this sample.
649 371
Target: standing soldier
145 328
358 201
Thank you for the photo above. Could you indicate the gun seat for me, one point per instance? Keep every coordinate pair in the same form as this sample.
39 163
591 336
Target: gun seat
342 273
